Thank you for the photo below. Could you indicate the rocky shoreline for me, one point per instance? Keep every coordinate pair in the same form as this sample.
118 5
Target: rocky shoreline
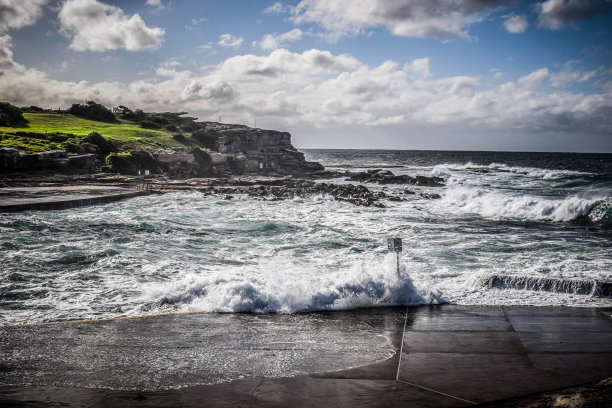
262 187
217 159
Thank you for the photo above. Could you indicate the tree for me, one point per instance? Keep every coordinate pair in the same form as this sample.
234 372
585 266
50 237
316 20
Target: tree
93 111
11 115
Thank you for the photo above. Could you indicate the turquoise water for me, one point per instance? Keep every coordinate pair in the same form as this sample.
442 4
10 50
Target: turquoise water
187 251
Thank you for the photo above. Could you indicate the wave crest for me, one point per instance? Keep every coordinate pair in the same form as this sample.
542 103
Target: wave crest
500 205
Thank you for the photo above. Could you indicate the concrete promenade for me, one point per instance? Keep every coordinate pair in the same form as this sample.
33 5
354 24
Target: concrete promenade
16 199
429 356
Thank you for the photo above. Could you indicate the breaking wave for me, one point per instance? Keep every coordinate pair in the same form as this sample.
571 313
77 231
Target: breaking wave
243 293
491 204
445 171
599 214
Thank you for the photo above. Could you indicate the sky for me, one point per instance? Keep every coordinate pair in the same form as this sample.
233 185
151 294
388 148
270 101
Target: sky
380 74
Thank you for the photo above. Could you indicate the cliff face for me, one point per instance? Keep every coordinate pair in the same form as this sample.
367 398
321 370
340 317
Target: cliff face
59 160
256 149
241 150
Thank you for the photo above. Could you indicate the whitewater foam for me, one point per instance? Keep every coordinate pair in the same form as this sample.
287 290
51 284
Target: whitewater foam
447 170
360 286
576 286
496 204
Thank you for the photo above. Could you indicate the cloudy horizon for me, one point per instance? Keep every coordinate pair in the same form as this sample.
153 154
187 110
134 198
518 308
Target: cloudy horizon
410 74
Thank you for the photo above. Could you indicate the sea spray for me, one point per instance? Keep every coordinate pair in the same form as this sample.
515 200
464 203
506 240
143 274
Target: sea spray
363 285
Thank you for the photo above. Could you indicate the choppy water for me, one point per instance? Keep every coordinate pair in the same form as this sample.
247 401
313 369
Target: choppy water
540 224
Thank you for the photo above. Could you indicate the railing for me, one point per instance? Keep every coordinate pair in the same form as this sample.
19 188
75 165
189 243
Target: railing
144 186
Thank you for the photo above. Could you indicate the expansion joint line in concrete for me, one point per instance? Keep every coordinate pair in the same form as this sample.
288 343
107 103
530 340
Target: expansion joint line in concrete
437 392
518 337
399 364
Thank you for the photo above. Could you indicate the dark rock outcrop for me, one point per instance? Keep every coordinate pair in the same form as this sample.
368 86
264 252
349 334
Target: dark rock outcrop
11 159
386 177
283 189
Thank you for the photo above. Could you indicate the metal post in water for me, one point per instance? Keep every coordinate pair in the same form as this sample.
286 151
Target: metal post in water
395 245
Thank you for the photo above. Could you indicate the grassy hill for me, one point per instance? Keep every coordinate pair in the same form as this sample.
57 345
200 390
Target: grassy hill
50 131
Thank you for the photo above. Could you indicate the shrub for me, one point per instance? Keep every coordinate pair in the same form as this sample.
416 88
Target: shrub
126 113
11 115
179 137
72 146
93 111
32 109
207 138
119 163
104 146
148 124
131 162
160 119
189 127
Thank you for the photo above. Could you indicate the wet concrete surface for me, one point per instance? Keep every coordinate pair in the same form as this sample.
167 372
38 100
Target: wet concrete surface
16 199
165 352
430 356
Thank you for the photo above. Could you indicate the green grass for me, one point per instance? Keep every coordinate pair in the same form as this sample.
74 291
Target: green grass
27 143
128 135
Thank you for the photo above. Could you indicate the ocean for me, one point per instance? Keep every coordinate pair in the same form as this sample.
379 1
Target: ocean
508 229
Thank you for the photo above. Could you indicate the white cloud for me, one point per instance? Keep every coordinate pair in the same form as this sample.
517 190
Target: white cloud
535 78
409 18
159 6
228 40
570 75
420 67
19 13
216 90
555 14
283 63
96 26
195 22
271 42
318 91
6 54
516 24
277 8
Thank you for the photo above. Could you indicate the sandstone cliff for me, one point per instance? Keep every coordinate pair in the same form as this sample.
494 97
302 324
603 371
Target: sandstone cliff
249 149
